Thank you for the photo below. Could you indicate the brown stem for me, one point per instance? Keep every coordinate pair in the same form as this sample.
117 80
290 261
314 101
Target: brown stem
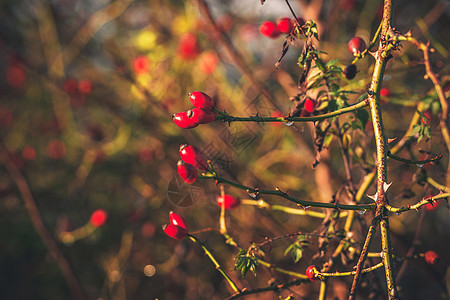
363 256
39 226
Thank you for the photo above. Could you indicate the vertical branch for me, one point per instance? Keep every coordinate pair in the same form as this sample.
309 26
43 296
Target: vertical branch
382 55
387 258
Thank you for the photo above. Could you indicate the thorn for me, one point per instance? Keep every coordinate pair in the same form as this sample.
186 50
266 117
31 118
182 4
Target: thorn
374 197
386 186
391 140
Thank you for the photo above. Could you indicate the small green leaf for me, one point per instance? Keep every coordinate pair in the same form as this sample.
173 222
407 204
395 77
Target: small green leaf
296 251
245 261
327 140
297 254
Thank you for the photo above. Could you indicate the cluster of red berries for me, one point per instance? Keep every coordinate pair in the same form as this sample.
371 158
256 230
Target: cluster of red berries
283 25
191 160
98 218
201 114
228 201
178 227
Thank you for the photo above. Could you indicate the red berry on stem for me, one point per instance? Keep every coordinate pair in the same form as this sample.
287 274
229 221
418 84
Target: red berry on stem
182 120
192 155
228 201
201 116
431 257
175 232
269 29
310 105
285 25
311 272
201 100
350 71
98 218
356 45
176 219
187 171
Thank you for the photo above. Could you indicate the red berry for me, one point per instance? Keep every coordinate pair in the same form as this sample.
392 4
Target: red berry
285 25
187 171
350 71
431 206
201 100
175 232
15 76
269 29
311 272
188 46
385 92
310 105
28 153
431 257
98 218
141 64
192 155
356 45
182 120
201 116
146 154
228 201
85 86
176 219
208 62
56 149
70 86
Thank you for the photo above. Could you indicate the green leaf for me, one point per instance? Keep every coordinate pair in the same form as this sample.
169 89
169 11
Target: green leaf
297 254
362 116
245 261
327 140
296 251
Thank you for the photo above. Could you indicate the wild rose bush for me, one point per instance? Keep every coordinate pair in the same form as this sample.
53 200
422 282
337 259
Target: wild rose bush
315 148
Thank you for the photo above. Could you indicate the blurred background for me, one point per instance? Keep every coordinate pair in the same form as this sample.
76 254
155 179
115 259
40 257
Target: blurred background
87 90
